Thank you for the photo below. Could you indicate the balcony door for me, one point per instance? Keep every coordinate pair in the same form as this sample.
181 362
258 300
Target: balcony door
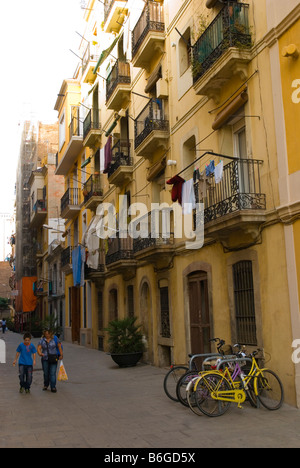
199 312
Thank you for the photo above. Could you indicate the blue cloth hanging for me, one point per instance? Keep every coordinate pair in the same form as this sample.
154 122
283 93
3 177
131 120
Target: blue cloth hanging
210 168
76 265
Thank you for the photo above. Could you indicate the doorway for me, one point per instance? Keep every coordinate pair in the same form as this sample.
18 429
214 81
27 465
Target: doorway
199 312
75 313
146 319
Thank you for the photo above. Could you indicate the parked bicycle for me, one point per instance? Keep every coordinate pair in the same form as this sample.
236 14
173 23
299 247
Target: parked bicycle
212 392
176 372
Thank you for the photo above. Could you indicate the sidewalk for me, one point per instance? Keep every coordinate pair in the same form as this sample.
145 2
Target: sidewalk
104 406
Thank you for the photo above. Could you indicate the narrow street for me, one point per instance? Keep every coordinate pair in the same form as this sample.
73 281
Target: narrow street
102 406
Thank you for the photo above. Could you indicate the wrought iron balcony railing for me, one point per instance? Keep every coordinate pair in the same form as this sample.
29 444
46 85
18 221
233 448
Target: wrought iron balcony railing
92 188
159 229
39 206
120 74
230 28
151 118
87 57
108 4
91 122
71 197
121 156
66 257
239 189
75 128
119 249
151 19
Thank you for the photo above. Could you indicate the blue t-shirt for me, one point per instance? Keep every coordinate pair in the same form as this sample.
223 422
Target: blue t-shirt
26 353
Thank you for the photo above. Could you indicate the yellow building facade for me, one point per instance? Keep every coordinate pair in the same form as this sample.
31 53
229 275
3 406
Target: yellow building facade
177 102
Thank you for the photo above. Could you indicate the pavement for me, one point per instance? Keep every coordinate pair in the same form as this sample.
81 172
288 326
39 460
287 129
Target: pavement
103 406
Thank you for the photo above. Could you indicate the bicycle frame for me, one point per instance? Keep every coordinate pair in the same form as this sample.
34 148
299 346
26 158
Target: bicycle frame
236 394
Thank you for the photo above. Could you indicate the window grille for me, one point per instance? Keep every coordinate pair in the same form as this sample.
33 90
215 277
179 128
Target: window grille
164 313
244 303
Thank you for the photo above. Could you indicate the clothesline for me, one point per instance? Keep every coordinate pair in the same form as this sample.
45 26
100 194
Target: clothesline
202 156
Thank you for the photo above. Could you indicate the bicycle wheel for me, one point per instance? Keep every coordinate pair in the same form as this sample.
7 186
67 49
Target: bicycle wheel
269 389
208 384
182 385
192 395
171 380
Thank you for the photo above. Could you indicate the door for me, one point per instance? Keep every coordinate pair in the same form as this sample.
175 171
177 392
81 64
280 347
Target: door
199 313
75 311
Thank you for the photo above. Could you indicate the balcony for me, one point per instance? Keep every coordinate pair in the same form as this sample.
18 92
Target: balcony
89 61
118 86
119 257
38 214
222 50
114 14
73 149
92 192
97 275
66 260
151 129
148 35
92 128
70 203
235 207
157 244
120 170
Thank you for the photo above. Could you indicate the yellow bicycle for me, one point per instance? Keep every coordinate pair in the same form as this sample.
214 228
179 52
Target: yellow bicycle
214 391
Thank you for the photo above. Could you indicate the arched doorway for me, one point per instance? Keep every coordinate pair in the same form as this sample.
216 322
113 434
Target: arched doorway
199 315
146 320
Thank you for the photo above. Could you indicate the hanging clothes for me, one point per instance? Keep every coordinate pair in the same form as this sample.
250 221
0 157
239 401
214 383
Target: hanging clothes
107 155
177 183
188 197
210 168
102 159
76 266
219 172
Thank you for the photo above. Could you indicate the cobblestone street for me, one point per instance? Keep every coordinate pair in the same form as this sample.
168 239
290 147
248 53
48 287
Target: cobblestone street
107 407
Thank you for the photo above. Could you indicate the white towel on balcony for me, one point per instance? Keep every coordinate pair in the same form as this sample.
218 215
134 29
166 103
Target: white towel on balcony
102 159
219 172
188 197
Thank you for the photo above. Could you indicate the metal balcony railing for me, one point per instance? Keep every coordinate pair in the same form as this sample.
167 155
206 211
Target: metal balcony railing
159 227
39 206
92 121
230 28
121 155
151 19
87 57
239 189
75 128
120 74
66 257
71 197
119 249
108 4
92 188
151 118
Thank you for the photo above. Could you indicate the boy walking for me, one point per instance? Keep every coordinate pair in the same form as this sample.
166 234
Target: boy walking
26 353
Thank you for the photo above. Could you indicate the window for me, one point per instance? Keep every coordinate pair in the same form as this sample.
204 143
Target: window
185 50
113 304
100 311
62 131
130 301
164 312
244 303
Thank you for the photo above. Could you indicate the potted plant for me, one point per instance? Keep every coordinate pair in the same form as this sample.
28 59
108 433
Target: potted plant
125 341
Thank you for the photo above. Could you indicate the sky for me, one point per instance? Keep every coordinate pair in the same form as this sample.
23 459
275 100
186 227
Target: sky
35 38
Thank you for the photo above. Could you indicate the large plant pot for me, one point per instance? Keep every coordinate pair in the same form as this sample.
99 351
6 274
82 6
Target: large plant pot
126 359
